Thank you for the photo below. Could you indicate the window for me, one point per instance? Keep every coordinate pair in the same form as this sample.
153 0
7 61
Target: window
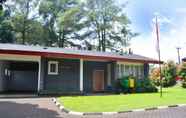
130 69
118 71
127 70
122 70
52 67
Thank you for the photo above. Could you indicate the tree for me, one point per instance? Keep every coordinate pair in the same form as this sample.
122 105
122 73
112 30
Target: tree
169 74
23 16
155 76
181 73
61 18
107 23
6 28
1 5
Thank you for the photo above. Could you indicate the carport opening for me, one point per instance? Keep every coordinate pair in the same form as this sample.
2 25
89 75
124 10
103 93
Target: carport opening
22 76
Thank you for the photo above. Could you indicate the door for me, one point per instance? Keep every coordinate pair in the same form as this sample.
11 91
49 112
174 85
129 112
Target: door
98 80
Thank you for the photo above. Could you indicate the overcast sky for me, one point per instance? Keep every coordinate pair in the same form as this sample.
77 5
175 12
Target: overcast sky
172 19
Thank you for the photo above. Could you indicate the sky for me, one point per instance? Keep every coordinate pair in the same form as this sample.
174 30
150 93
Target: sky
172 22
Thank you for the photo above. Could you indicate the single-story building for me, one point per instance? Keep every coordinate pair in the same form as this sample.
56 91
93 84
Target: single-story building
49 69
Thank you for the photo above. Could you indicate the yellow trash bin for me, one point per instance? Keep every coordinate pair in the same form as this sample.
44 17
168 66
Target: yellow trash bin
131 83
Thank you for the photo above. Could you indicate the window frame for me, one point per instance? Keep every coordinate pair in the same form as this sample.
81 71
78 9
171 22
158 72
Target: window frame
56 67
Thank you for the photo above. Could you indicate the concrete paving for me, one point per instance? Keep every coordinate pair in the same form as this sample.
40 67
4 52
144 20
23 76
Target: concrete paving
45 108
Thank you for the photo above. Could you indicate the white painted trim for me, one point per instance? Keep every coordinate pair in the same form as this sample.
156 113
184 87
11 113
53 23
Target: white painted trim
81 75
39 75
49 64
16 57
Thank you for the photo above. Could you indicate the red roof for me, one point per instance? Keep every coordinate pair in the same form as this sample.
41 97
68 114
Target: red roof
72 53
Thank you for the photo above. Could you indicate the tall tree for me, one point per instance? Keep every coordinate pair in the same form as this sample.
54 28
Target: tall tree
61 18
108 22
6 28
24 12
1 5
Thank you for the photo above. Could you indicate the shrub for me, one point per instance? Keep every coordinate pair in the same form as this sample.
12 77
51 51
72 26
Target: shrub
155 76
168 74
184 84
141 85
181 72
145 85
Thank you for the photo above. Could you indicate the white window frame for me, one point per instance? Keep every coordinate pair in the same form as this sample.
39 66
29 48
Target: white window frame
49 67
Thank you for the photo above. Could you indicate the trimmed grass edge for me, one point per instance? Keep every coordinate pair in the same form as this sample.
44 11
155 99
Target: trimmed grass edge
63 109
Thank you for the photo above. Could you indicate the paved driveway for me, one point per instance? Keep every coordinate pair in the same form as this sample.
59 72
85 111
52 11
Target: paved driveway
28 108
45 108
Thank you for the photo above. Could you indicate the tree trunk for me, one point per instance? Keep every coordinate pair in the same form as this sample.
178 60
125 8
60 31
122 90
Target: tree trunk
99 40
104 40
25 22
23 32
61 39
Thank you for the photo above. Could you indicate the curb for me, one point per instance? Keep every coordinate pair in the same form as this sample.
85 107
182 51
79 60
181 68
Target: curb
63 109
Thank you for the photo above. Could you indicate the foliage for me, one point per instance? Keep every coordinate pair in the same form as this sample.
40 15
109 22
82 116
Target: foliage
181 72
23 19
6 28
155 76
1 5
108 24
168 74
67 23
184 84
145 85
61 18
141 85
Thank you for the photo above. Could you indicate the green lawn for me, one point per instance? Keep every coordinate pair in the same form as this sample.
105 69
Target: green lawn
108 103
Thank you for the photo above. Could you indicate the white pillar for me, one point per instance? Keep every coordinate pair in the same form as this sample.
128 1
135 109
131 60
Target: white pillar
81 75
39 75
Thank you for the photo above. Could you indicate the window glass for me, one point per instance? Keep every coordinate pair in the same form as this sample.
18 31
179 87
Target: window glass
53 67
126 70
117 70
122 70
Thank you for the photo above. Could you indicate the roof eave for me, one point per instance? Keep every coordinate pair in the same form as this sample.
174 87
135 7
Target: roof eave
75 56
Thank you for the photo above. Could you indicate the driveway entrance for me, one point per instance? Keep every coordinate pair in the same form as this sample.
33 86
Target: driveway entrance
28 108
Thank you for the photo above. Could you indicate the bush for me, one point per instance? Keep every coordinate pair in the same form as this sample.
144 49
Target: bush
155 76
145 85
184 84
168 82
168 74
141 85
181 72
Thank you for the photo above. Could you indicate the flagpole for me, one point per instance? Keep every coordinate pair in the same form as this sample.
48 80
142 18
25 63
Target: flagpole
159 54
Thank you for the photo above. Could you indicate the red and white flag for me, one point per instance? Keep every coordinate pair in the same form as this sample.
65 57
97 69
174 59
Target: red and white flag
157 36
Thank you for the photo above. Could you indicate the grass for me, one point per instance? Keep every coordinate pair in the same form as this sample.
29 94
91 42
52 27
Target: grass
109 103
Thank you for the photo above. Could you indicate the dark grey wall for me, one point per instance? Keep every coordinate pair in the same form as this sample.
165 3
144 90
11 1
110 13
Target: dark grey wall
113 73
89 67
3 78
67 79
